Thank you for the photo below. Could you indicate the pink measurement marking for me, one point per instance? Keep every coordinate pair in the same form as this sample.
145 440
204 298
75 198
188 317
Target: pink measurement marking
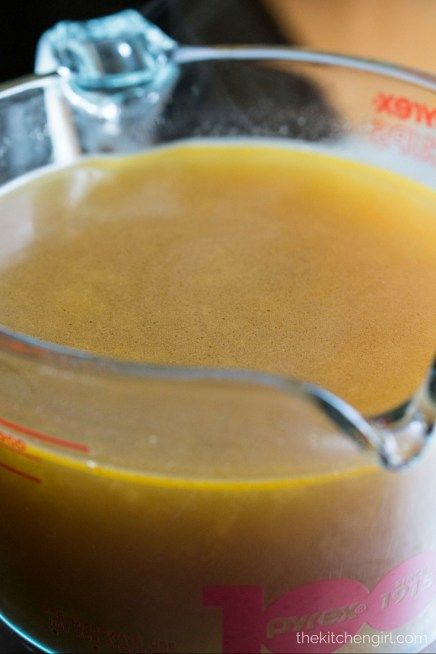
53 440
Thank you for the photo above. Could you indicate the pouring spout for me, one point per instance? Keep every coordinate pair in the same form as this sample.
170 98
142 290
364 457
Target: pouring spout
399 436
405 431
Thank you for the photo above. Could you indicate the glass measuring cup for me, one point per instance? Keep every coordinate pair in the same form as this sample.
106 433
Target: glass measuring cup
147 508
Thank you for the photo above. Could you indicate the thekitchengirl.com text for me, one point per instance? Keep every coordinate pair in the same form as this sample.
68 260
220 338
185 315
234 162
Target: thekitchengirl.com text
372 640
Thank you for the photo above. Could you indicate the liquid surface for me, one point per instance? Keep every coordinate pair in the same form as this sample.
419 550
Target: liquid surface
236 256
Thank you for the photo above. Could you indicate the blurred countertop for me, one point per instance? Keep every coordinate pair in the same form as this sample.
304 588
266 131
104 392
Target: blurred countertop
399 31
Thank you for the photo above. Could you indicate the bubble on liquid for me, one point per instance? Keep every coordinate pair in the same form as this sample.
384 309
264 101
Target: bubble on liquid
152 440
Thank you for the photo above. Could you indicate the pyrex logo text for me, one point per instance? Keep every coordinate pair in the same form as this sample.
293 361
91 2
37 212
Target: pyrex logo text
337 606
405 109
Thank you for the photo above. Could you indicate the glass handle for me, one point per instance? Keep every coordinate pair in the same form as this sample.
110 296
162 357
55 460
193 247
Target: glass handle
105 54
103 64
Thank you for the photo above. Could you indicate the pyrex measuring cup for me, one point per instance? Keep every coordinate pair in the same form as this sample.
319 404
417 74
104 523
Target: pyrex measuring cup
167 509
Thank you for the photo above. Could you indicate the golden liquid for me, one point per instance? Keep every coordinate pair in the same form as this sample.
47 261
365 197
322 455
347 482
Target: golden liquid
238 256
247 257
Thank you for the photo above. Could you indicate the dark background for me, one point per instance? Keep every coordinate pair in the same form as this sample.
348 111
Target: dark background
193 21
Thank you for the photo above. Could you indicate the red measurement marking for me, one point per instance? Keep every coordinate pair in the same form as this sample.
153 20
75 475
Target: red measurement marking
405 109
31 457
20 473
53 440
12 443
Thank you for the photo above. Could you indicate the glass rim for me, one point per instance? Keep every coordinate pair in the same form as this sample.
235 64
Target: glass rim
186 54
20 344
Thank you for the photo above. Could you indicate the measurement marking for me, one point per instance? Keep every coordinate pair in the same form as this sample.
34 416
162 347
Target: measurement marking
31 457
53 440
20 473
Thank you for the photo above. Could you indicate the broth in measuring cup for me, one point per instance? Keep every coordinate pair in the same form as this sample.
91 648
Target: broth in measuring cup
225 255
